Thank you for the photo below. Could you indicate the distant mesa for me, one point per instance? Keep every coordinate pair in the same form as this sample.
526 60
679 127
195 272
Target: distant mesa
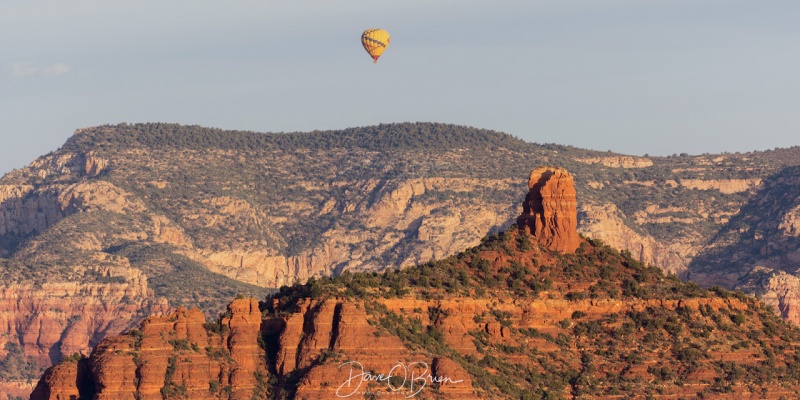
549 211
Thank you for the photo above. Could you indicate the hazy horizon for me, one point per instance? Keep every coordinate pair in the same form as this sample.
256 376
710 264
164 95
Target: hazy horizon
662 77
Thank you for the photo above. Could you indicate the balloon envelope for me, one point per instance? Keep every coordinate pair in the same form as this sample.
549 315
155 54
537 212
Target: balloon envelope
375 42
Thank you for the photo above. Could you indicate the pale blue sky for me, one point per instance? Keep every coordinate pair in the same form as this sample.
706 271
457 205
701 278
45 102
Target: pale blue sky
637 77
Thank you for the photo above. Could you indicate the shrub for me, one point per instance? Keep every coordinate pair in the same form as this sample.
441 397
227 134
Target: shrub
180 344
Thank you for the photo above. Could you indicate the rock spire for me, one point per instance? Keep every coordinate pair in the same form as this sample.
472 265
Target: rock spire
549 211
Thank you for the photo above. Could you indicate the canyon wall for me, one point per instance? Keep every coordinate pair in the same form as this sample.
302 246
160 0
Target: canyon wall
271 211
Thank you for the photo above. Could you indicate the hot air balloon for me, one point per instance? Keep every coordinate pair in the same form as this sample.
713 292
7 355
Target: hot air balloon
375 42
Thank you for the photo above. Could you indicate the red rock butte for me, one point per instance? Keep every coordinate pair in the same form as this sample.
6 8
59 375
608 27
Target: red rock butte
549 211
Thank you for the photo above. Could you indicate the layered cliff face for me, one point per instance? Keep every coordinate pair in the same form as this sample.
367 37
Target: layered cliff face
240 212
607 223
182 355
179 355
68 277
506 319
55 320
549 211
757 251
618 162
778 289
63 319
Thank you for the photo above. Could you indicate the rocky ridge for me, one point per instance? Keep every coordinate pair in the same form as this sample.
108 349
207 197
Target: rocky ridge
618 161
275 209
506 319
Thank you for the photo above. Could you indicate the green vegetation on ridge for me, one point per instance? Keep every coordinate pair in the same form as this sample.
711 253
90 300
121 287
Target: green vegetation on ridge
282 193
656 336
649 348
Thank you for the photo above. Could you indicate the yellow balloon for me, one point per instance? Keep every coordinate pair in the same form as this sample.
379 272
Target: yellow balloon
375 42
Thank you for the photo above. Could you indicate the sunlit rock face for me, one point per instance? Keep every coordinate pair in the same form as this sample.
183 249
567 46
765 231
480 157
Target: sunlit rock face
549 211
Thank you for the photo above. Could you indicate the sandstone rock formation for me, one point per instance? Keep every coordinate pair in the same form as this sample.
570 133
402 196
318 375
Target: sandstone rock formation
790 223
776 288
21 389
727 186
175 355
618 161
23 213
440 230
758 250
605 222
549 211
599 323
60 382
58 320
274 209
94 165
